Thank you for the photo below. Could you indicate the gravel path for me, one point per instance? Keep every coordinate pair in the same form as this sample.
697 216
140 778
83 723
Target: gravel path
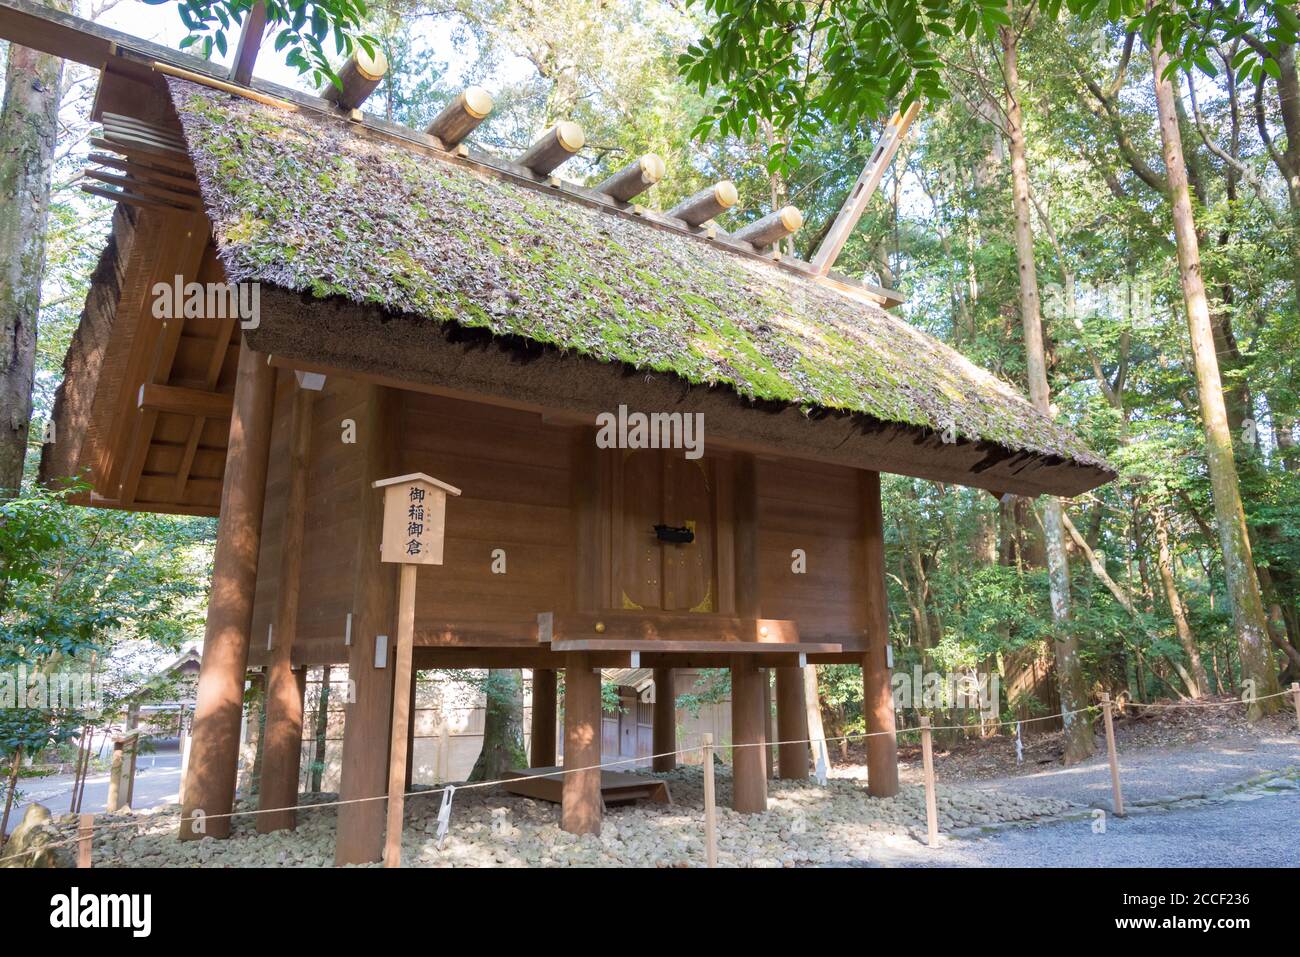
1251 829
1158 774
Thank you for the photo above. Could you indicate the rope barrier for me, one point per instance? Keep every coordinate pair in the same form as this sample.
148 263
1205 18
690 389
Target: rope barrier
1205 704
450 789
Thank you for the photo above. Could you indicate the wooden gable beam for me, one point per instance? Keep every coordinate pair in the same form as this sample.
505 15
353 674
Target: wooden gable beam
863 189
250 42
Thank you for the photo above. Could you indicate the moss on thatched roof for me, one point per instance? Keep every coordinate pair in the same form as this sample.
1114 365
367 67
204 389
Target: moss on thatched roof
308 203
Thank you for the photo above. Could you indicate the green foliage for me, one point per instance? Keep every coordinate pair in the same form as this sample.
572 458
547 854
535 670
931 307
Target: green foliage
800 66
76 584
301 27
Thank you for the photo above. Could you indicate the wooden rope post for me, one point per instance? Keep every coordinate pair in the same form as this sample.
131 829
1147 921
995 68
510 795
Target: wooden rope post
85 834
931 802
1295 698
115 777
9 794
1117 803
710 824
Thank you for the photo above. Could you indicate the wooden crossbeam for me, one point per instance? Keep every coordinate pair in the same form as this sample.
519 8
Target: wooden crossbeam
182 401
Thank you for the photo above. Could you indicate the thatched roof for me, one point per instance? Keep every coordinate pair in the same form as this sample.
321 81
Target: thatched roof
313 205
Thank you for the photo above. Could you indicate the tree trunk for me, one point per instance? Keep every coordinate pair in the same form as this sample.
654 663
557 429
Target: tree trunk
28 129
503 726
1201 682
1244 599
322 732
1069 670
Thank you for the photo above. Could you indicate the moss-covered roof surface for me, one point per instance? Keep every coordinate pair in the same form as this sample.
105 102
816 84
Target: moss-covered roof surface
306 202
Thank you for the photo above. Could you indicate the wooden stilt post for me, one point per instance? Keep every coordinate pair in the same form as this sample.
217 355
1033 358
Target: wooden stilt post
931 801
214 751
748 720
85 839
791 724
282 738
1117 804
665 721
401 716
878 697
749 779
364 771
710 813
541 752
581 804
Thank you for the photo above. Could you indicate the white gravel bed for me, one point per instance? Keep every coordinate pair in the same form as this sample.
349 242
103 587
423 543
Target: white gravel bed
806 824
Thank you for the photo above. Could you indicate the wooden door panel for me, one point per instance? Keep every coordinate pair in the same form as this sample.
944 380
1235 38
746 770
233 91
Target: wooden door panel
642 500
688 568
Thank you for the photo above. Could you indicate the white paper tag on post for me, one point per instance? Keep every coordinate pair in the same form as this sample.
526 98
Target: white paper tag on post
444 814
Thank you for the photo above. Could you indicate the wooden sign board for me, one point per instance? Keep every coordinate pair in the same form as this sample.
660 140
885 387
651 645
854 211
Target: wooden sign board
415 513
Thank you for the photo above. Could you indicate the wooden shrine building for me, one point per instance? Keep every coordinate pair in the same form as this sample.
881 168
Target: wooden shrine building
425 307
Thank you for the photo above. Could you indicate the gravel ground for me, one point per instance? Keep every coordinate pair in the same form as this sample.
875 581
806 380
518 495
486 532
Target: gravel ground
805 825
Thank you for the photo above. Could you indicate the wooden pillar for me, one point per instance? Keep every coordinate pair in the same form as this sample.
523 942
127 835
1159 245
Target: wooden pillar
748 727
214 751
580 803
282 739
374 602
541 752
748 719
665 720
878 698
410 732
791 724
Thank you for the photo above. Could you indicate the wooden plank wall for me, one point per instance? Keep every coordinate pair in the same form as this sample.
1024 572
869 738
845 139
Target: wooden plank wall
814 507
515 472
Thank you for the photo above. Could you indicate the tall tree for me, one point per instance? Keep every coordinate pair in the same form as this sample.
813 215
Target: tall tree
1248 618
1065 643
28 130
